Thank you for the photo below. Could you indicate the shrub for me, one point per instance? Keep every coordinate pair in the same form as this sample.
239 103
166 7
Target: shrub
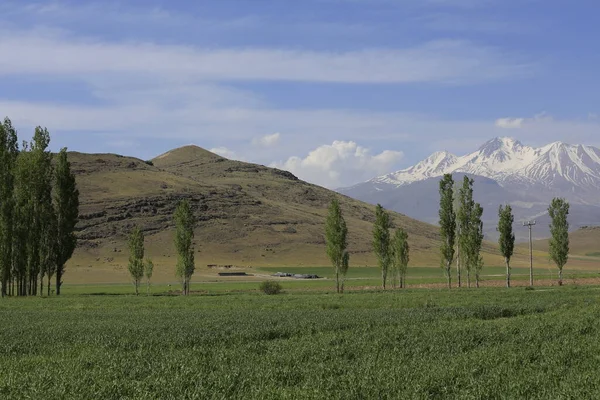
149 162
270 287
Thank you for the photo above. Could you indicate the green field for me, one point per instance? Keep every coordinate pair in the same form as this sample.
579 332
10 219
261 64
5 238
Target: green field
358 278
419 343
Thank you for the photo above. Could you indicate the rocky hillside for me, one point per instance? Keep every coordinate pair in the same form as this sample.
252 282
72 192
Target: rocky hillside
248 214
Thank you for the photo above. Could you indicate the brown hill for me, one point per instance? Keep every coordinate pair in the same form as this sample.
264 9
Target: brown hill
248 215
582 242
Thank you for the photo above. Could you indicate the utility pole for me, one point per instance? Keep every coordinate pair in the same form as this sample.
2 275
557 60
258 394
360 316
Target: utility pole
529 224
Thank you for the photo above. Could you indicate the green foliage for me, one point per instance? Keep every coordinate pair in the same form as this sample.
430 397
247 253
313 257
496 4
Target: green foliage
463 224
559 231
36 229
136 257
400 256
469 232
8 156
185 223
447 225
336 238
270 287
148 270
381 241
494 343
66 204
475 259
506 240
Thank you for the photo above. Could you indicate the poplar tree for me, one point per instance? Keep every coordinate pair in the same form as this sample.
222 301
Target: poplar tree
381 241
336 239
136 257
559 231
447 225
8 155
148 270
464 227
401 256
475 242
66 206
184 236
507 237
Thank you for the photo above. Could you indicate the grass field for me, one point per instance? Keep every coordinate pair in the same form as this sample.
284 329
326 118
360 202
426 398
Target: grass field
416 343
208 282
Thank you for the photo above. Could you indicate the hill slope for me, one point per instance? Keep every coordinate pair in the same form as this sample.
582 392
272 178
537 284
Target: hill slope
582 242
248 215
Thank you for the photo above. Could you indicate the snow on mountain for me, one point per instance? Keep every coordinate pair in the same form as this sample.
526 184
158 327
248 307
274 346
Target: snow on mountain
507 161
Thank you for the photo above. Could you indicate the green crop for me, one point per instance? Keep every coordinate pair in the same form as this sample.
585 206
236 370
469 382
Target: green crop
489 343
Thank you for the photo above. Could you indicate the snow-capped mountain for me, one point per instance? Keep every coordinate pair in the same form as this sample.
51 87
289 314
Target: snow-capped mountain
505 171
508 161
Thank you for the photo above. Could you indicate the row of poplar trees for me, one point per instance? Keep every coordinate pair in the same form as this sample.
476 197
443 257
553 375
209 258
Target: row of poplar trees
461 231
39 208
393 252
140 267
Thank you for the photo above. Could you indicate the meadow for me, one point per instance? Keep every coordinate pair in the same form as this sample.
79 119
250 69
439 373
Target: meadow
415 343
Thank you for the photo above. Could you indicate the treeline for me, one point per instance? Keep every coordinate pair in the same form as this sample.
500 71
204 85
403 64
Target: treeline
39 207
461 238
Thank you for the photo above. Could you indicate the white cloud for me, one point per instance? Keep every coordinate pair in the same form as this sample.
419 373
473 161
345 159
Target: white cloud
225 152
447 61
510 123
340 164
267 140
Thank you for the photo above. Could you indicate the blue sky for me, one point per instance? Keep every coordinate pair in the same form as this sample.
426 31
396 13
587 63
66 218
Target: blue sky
337 91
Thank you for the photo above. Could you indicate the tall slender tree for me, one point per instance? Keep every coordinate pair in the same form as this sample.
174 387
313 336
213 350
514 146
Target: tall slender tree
381 241
401 255
8 156
507 237
464 226
447 225
475 242
559 231
148 271
478 269
136 257
184 236
66 206
336 238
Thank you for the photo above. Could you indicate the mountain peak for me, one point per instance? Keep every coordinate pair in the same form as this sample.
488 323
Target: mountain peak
185 154
499 143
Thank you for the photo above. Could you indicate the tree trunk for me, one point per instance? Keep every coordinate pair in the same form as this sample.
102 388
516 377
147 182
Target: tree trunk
458 267
41 285
48 286
469 278
507 273
58 278
383 278
337 280
477 281
448 275
560 277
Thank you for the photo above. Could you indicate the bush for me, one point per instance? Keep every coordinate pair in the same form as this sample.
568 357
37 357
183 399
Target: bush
270 287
